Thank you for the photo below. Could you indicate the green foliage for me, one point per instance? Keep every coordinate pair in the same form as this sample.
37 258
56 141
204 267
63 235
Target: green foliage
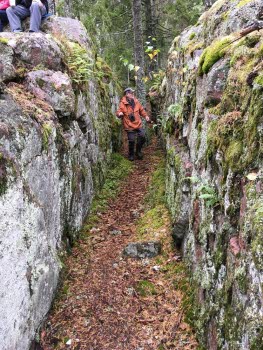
109 23
78 62
174 109
155 83
212 54
168 120
205 191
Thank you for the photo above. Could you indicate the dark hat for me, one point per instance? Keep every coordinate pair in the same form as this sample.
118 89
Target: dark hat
128 89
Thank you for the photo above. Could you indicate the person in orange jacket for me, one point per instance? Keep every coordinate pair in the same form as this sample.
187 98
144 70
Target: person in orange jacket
130 111
4 4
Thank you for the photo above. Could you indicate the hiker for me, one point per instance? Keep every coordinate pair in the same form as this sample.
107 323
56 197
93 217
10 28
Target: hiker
25 8
4 4
130 111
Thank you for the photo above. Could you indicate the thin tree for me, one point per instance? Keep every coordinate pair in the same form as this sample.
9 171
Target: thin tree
139 50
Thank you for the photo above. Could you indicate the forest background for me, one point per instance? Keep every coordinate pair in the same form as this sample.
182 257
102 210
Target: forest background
134 36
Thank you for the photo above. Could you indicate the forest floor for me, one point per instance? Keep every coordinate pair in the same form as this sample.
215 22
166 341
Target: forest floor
111 302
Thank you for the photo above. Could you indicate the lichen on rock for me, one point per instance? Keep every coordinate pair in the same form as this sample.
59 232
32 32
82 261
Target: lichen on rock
57 134
214 155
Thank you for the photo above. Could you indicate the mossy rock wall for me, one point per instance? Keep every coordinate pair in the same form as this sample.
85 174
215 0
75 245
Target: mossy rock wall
213 127
57 133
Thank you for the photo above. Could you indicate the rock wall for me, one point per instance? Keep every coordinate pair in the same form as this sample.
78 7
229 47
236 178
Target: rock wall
212 122
57 132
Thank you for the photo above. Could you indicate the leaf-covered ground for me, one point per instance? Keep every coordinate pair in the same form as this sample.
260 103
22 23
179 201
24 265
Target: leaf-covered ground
109 302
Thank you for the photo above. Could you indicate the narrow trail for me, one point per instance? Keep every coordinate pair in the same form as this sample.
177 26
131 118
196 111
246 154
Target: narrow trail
102 307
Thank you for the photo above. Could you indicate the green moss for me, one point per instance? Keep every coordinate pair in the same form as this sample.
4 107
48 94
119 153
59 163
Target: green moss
156 191
151 221
145 288
259 80
235 135
241 277
192 36
225 15
243 3
4 41
191 47
260 51
251 40
40 82
103 68
233 153
241 53
179 274
212 54
256 219
46 132
257 342
199 130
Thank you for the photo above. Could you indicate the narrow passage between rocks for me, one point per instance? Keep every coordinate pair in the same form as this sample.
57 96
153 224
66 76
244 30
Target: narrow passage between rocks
109 302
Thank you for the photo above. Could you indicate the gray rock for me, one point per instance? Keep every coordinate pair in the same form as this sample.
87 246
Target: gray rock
216 214
142 250
48 165
70 28
54 88
7 69
34 49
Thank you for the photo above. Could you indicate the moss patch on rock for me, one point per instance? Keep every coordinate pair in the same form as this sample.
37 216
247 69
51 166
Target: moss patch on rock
212 54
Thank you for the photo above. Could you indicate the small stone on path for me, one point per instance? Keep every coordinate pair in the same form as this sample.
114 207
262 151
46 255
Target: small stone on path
142 250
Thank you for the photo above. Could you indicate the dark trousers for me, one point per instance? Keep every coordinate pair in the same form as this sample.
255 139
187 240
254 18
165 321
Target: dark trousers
3 19
140 133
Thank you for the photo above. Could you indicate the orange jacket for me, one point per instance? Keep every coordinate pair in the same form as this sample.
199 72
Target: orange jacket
126 109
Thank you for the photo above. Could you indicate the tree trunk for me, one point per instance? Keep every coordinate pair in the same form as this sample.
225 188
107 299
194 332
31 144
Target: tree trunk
139 50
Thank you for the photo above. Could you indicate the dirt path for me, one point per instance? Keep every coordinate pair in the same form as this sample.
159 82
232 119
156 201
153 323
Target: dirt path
112 303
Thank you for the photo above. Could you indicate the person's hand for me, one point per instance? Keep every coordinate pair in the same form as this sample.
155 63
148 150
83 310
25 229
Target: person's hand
147 119
120 114
38 2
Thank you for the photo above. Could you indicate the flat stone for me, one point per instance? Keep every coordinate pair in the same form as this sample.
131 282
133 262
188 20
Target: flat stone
142 250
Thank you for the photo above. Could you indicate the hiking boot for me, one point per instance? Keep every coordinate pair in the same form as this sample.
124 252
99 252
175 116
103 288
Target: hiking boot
131 151
139 145
139 154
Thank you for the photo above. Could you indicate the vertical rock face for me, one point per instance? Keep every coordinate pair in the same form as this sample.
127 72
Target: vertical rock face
56 138
213 126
